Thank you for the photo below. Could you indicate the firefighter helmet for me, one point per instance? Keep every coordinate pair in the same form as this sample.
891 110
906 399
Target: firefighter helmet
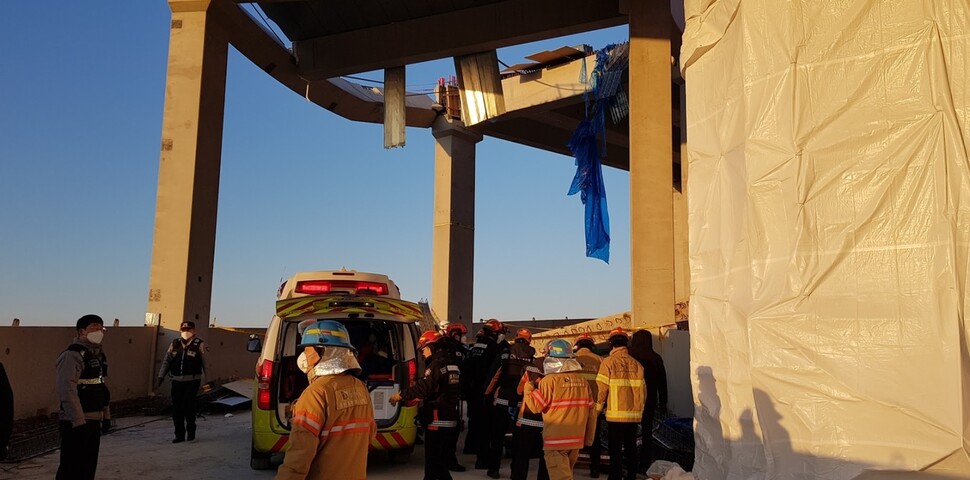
324 333
427 338
559 348
524 334
618 331
494 326
453 328
584 340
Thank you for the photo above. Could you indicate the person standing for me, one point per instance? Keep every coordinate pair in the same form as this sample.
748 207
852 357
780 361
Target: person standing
503 389
454 342
80 376
185 361
566 404
6 412
527 431
333 420
655 375
480 358
440 390
621 392
590 361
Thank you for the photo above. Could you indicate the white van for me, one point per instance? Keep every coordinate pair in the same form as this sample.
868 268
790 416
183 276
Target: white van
384 330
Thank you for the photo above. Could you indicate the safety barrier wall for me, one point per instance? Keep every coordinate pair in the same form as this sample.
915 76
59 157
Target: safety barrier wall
28 355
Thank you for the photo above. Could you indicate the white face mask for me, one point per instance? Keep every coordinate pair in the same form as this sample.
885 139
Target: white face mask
301 363
187 335
96 336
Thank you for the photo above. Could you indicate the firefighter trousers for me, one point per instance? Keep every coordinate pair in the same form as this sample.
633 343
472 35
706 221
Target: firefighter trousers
526 445
561 463
498 425
436 449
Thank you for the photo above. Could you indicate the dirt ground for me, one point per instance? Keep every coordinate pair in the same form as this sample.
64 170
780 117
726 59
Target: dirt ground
140 448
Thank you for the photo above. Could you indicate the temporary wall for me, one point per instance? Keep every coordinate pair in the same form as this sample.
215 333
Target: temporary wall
829 199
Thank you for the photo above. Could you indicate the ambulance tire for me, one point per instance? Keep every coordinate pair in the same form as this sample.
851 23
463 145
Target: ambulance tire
259 460
400 455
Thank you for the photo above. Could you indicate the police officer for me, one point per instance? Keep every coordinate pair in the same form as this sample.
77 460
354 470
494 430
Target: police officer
84 399
480 358
333 420
506 399
185 361
453 342
440 390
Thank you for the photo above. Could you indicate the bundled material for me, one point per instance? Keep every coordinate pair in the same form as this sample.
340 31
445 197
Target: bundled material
829 202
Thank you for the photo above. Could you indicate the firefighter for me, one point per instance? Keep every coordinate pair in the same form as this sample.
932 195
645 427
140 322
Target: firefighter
84 398
622 392
480 358
185 361
333 420
566 403
527 432
454 342
590 361
503 390
440 390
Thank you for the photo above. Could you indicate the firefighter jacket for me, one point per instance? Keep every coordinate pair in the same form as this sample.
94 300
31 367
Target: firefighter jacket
80 377
331 430
621 388
591 367
185 360
505 381
568 418
533 374
476 364
440 390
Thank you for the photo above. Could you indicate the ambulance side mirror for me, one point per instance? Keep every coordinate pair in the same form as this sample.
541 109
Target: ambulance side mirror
254 344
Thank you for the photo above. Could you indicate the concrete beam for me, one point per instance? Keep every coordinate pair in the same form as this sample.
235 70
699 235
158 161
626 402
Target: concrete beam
453 243
349 100
651 166
460 32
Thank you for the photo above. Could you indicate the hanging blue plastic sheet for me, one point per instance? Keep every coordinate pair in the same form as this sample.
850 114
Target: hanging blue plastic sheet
604 90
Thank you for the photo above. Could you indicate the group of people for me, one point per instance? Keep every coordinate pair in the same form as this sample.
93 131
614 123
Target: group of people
552 401
81 372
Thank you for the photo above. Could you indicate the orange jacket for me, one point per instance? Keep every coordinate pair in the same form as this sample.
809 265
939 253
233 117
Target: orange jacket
333 423
566 405
621 383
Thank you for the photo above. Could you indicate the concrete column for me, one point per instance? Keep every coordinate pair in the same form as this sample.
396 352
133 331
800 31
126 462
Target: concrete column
651 199
180 286
453 256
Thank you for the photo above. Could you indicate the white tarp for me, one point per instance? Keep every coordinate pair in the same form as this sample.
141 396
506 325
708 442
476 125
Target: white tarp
829 199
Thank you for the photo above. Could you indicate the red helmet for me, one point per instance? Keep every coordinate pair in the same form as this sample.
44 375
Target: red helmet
618 331
453 328
524 334
494 326
584 337
427 338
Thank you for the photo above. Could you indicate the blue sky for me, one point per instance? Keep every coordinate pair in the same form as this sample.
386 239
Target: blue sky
81 99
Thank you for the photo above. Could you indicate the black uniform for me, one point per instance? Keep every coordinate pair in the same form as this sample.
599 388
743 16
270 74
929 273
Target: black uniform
527 432
185 361
508 369
474 368
6 412
84 400
458 351
440 390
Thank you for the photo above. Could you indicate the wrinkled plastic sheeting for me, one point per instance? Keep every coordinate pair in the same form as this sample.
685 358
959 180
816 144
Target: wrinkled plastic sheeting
829 204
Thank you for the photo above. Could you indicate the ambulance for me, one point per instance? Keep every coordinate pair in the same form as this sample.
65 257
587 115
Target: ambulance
384 330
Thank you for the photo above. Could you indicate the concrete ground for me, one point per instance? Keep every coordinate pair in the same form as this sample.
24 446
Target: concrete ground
140 448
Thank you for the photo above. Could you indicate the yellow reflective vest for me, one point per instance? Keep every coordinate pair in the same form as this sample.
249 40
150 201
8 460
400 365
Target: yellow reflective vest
622 391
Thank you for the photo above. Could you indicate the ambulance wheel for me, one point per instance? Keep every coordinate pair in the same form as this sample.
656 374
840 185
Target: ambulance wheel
259 460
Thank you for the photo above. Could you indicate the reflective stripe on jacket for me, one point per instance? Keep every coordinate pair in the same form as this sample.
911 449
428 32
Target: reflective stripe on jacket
331 430
566 405
621 387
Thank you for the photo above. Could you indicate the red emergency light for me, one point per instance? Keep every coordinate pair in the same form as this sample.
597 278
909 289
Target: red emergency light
319 287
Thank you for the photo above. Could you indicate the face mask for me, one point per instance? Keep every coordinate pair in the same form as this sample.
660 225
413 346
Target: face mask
95 337
304 362
501 337
187 335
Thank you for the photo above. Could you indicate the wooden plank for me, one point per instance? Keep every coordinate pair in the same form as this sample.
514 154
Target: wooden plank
481 87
